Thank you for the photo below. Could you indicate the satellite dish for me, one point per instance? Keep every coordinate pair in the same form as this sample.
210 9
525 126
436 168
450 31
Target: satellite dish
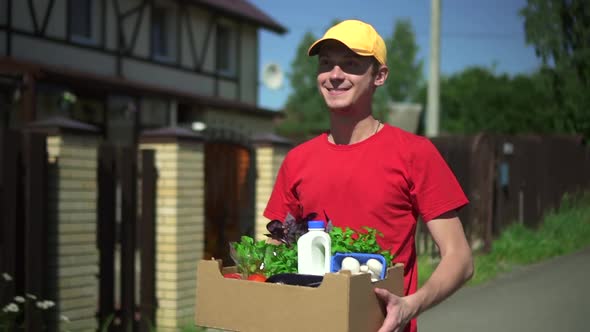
272 76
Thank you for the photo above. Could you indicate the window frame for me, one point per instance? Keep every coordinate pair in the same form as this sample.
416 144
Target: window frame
74 36
168 13
228 49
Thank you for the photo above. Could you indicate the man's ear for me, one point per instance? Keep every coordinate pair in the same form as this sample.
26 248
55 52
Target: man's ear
381 75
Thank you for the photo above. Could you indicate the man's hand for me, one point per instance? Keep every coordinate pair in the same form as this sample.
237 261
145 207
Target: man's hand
398 311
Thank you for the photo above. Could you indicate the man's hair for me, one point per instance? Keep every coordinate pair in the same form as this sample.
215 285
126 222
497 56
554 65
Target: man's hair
375 65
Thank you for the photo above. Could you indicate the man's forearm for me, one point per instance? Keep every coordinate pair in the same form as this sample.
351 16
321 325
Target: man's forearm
454 269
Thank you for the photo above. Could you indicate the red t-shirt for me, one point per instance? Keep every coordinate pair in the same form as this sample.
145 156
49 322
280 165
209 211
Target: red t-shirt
385 182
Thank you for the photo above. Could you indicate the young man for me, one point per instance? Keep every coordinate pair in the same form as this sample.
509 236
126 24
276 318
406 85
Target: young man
367 173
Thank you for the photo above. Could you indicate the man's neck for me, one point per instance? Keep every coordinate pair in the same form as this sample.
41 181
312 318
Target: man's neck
346 130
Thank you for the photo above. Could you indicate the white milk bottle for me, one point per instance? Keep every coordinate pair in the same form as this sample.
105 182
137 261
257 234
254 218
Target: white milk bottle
314 250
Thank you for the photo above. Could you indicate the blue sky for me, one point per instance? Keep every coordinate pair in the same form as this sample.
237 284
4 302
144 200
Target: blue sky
484 33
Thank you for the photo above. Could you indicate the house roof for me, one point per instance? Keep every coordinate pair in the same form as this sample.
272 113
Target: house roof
244 10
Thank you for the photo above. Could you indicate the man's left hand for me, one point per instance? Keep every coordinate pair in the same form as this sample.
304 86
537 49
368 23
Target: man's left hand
398 311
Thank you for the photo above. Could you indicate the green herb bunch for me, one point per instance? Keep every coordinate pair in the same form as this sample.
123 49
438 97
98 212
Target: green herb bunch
261 257
348 240
269 259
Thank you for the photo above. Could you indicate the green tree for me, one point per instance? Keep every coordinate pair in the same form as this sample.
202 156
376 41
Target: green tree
405 70
306 112
560 32
477 99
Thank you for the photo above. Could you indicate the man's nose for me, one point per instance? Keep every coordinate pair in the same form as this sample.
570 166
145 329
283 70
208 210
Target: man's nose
336 73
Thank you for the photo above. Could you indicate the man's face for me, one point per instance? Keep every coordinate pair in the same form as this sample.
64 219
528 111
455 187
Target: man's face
345 79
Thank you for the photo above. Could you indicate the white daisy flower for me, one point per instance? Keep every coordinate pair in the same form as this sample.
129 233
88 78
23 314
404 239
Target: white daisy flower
19 299
6 276
45 304
31 296
11 307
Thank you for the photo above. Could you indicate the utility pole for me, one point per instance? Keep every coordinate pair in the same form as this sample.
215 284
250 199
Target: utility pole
433 110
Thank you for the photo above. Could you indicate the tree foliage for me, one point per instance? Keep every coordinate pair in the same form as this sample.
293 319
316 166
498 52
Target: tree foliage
560 32
405 70
477 99
306 112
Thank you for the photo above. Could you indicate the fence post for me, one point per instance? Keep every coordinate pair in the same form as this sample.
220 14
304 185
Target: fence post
107 202
35 159
270 152
180 210
72 255
9 255
147 241
128 173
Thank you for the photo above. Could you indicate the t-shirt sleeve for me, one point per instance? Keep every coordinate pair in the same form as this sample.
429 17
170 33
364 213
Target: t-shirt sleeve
282 199
435 189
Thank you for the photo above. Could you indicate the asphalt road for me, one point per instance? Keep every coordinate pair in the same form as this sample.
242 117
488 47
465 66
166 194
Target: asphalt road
549 296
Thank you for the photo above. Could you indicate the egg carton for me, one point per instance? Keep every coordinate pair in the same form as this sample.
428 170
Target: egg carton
362 258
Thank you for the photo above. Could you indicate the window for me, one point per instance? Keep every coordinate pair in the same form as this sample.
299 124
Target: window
225 50
80 16
163 34
159 32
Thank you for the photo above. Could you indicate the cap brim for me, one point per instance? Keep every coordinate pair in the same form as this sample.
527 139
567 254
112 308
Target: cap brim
314 49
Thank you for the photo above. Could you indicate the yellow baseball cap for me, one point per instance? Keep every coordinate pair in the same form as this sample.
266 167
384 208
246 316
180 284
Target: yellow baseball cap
359 36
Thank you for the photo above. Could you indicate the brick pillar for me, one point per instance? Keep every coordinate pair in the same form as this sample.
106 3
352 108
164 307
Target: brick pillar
73 261
270 152
180 221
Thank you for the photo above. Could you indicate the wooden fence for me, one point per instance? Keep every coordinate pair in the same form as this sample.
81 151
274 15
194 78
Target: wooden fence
510 179
23 197
134 232
24 173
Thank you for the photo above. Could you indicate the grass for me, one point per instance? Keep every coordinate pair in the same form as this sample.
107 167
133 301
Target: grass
563 231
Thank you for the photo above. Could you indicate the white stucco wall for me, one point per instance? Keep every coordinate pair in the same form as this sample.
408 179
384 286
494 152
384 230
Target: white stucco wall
20 16
241 123
228 90
249 64
110 27
198 22
3 15
62 55
167 77
142 45
55 27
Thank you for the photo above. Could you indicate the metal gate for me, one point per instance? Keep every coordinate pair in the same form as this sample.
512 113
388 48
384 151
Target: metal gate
229 195
126 227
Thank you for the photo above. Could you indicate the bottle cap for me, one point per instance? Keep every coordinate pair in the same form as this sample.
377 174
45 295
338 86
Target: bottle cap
315 224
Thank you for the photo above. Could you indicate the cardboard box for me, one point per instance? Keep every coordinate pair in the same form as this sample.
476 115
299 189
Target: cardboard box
342 303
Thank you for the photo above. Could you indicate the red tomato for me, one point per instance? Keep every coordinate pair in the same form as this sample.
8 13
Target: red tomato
232 276
257 277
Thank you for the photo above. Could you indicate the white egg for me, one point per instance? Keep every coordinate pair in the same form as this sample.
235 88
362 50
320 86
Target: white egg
375 266
351 264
